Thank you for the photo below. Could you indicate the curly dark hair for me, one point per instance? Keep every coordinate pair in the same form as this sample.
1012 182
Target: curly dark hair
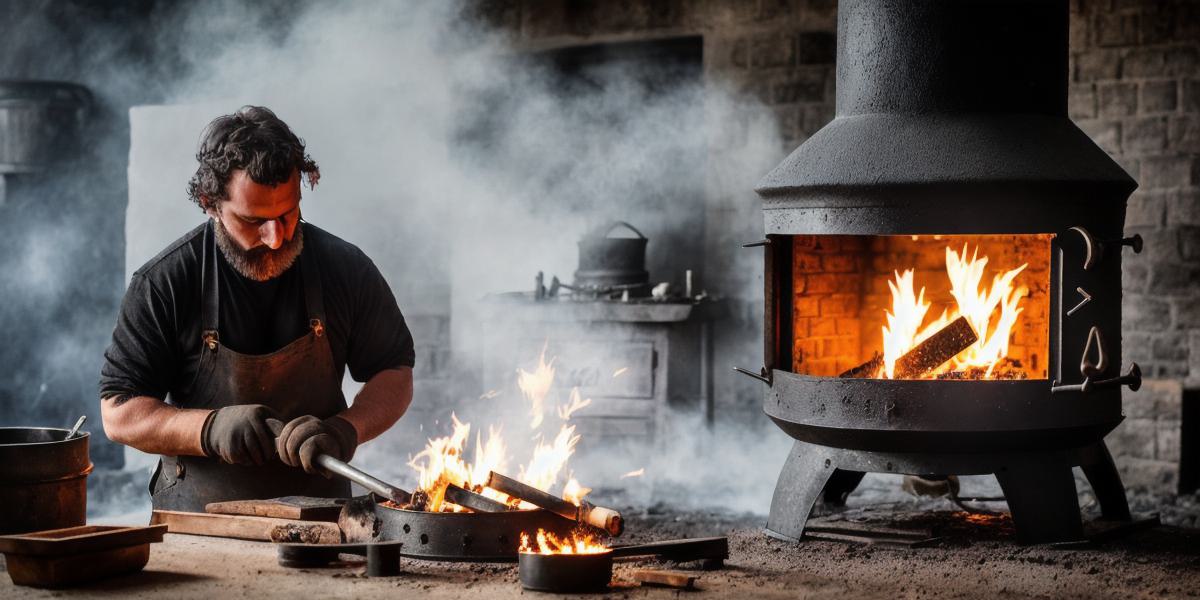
254 139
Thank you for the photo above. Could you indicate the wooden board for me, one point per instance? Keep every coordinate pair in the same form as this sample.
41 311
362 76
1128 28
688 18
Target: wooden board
656 577
248 527
74 540
305 508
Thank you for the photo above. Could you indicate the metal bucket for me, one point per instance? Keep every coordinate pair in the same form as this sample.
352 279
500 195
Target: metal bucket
43 479
39 122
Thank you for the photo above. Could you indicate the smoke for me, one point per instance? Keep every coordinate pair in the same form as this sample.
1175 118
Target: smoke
463 163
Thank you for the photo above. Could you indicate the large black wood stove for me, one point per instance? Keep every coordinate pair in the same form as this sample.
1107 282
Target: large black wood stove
943 269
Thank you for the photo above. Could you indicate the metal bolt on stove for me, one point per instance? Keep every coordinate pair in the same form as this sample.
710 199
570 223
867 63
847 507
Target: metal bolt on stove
951 128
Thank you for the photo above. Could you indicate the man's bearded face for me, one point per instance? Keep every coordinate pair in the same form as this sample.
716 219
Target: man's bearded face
256 226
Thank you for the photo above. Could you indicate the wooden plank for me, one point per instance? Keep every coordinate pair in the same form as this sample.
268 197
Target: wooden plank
672 579
304 508
248 527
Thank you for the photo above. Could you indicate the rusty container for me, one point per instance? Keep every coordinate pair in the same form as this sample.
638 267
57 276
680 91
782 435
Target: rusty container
43 479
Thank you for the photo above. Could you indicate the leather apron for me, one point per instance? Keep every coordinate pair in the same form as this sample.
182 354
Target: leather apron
298 379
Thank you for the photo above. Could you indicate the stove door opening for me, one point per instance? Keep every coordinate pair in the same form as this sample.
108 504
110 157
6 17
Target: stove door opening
940 307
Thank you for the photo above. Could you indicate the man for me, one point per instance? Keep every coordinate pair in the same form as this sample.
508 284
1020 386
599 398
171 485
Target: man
253 316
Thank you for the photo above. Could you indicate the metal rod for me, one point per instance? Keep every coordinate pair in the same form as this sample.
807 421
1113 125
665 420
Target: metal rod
750 373
353 474
476 502
75 429
363 479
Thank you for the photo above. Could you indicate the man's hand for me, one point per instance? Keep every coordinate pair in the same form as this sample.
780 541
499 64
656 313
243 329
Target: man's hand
305 437
239 434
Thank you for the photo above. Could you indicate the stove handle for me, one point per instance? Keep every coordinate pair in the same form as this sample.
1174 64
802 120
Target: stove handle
1133 379
762 374
1095 248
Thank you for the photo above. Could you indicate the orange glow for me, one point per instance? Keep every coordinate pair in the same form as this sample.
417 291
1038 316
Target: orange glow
535 386
906 327
548 543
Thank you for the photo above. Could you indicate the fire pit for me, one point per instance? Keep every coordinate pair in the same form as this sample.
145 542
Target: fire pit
943 265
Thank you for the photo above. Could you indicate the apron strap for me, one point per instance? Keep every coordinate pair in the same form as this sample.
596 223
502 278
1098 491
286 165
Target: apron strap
210 294
314 301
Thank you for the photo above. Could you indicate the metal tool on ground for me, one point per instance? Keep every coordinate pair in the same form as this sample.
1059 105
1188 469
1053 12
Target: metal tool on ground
592 572
383 558
476 502
603 518
355 475
661 578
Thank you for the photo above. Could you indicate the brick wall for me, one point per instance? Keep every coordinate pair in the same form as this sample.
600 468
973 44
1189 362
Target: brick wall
1135 89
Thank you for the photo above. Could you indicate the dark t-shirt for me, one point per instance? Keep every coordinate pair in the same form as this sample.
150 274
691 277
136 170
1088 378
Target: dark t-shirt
156 344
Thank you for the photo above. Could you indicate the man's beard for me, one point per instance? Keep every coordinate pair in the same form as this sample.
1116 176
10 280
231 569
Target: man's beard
261 263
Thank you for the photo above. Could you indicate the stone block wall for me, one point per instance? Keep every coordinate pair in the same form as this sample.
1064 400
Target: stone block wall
1135 89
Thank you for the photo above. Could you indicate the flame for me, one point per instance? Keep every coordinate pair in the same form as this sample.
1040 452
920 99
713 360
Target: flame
548 543
904 329
536 385
620 372
573 492
443 460
548 460
637 473
576 402
977 306
442 463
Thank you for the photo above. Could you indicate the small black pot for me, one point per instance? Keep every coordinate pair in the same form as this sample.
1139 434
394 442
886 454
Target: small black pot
607 261
565 572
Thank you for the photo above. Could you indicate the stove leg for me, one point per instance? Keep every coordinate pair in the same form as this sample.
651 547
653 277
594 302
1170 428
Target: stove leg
1043 503
839 487
1106 483
807 470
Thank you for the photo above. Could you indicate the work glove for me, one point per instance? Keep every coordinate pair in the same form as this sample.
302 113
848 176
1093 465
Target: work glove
239 434
303 438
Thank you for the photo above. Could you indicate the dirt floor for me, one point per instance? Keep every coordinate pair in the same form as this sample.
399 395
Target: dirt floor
974 557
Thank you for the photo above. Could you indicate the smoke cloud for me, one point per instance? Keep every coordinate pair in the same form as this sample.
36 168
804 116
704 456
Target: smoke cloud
457 160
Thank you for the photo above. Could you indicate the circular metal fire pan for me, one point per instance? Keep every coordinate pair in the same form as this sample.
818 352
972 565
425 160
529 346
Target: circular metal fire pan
466 537
925 415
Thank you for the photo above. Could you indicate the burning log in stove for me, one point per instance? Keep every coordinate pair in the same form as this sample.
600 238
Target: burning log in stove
936 350
926 356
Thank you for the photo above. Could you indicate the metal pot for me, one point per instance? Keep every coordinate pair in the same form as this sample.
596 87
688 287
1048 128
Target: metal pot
565 573
38 121
606 261
43 479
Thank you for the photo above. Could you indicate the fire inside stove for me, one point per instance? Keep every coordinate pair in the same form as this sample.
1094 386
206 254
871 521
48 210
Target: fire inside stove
921 307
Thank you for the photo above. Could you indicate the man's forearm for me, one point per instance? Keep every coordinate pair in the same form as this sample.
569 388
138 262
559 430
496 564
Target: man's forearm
153 426
380 403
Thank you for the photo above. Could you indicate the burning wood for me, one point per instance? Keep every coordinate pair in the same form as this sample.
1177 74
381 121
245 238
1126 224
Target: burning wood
867 370
584 512
476 502
936 350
